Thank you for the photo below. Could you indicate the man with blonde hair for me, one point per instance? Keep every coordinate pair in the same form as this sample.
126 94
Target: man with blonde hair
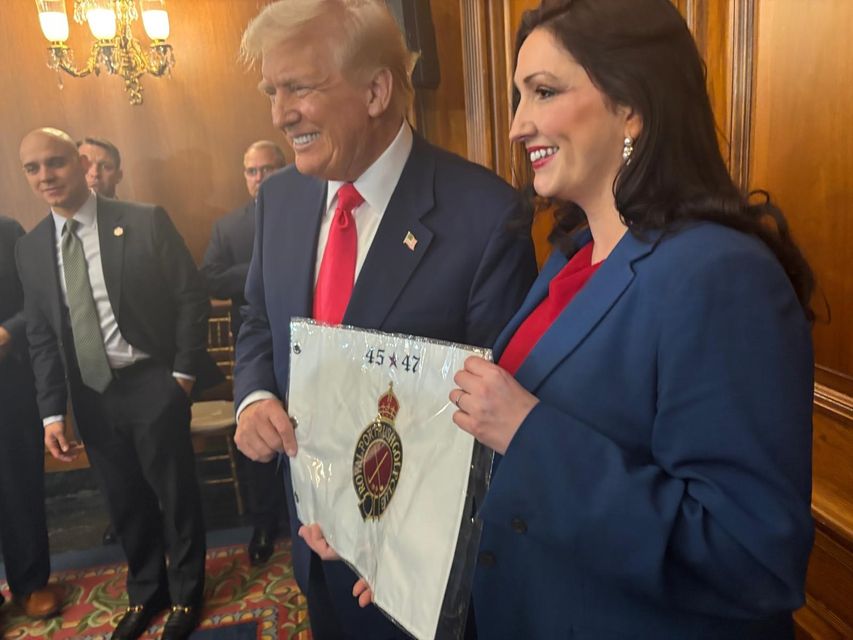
372 227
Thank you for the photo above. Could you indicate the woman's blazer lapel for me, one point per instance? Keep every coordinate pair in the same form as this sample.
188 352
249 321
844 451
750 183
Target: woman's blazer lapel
583 313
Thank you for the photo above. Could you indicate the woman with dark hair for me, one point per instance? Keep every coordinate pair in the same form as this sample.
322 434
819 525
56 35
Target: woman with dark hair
652 407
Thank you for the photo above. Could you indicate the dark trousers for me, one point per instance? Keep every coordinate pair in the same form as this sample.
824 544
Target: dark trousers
334 612
137 438
23 529
265 492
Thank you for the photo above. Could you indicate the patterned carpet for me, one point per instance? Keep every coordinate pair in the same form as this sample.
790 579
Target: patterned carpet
241 602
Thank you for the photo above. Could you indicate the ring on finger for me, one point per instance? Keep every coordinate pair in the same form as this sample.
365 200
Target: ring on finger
458 398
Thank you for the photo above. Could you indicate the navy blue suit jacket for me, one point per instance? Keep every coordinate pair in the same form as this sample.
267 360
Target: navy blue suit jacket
661 487
462 282
226 260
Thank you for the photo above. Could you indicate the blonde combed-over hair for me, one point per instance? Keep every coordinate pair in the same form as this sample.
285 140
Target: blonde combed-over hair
372 38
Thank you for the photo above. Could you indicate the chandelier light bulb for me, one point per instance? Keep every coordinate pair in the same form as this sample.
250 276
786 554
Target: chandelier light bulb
156 23
53 20
102 23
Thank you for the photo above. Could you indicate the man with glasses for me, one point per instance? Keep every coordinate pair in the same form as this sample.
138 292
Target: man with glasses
226 263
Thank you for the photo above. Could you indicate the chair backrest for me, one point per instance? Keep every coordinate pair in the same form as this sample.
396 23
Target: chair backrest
220 345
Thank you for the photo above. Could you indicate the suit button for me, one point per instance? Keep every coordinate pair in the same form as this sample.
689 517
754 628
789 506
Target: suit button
518 525
487 559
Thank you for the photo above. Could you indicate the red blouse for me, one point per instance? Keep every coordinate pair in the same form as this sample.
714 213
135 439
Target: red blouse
561 290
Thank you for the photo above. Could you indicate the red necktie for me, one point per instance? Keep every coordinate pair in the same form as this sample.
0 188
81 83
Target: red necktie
337 270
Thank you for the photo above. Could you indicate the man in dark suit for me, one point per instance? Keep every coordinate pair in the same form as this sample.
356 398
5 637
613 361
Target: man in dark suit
105 170
225 265
374 227
102 177
23 528
117 313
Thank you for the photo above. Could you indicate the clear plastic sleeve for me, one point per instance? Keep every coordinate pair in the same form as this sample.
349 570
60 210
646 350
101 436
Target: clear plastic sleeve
382 468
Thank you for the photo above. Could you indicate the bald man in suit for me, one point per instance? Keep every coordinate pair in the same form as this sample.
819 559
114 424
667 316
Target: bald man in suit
117 314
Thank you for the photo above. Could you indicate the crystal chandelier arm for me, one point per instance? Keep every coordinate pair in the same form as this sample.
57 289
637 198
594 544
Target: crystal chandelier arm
61 58
160 59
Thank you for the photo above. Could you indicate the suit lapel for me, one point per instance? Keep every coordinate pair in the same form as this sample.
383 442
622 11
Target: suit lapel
584 312
390 262
299 257
111 235
537 293
47 240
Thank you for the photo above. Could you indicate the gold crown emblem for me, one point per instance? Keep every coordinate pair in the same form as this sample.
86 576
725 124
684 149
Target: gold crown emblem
388 404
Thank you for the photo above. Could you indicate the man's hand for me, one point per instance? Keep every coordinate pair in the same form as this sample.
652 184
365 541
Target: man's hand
185 384
314 538
265 430
59 447
363 592
5 343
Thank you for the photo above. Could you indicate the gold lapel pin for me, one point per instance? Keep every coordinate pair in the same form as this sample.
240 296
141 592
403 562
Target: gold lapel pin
410 241
118 232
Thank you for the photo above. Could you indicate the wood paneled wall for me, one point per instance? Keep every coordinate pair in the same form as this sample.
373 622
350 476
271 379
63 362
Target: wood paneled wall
183 146
801 150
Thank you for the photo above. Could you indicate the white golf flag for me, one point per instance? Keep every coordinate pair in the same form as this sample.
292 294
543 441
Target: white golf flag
381 465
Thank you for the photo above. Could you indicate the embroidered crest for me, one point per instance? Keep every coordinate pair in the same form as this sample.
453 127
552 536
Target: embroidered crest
378 459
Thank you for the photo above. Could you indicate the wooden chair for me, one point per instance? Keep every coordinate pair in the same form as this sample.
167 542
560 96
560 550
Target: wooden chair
213 417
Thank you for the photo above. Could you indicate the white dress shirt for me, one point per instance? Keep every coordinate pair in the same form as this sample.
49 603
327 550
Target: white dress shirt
376 185
120 353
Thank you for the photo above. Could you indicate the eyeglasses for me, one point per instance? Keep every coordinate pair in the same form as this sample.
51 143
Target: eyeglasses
251 172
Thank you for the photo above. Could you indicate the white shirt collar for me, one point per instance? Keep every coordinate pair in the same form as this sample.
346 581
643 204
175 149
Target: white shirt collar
376 185
85 215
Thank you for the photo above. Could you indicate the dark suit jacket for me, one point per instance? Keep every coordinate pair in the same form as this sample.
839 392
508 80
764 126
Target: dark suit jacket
16 364
155 291
661 487
226 261
462 282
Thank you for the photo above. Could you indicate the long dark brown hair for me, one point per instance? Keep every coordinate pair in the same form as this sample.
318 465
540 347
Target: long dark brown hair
639 53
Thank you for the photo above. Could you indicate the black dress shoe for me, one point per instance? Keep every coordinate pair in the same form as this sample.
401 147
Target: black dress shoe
109 536
261 545
181 622
135 621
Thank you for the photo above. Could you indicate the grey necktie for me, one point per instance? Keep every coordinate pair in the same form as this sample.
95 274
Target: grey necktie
88 341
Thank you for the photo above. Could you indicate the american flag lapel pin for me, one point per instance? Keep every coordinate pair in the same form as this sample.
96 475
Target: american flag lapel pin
410 241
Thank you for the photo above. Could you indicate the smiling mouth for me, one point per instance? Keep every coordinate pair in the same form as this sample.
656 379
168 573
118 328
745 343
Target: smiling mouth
538 154
304 139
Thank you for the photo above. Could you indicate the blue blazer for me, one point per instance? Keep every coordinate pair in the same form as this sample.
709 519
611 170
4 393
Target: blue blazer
465 278
661 487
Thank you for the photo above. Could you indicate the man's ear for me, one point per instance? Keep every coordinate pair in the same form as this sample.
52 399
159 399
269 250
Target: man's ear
84 162
119 175
379 92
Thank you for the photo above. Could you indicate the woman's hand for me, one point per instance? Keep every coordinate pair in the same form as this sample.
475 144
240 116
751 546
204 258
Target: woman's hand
491 404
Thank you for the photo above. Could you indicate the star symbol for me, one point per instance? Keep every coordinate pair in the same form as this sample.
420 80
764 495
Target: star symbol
392 360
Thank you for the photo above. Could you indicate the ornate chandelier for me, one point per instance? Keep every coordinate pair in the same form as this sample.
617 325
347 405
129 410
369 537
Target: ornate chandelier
115 47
